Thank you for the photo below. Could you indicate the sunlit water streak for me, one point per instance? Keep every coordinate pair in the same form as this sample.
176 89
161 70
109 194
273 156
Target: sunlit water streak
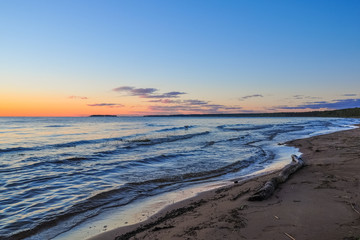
54 169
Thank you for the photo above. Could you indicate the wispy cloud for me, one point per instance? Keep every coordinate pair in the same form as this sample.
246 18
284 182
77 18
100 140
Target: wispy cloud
195 102
335 104
165 101
78 97
141 92
349 95
182 109
147 92
194 106
166 95
299 97
110 105
250 96
184 102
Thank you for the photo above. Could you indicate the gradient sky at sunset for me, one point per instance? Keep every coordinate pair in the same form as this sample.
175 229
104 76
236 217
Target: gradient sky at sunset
136 57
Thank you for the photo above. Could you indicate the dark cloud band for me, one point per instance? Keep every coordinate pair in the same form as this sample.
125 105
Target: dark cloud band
111 105
336 104
147 92
250 96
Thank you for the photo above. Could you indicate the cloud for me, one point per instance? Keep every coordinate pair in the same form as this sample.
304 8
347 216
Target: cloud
335 104
250 96
141 92
194 107
195 102
123 89
165 101
299 97
349 95
184 102
166 95
77 97
173 104
174 109
110 105
147 92
183 109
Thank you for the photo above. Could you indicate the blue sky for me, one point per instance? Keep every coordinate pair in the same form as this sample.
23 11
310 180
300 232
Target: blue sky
235 56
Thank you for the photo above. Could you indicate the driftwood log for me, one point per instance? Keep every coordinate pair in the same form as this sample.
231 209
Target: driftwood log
268 189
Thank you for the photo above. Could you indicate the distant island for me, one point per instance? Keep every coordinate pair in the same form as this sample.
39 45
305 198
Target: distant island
343 113
103 116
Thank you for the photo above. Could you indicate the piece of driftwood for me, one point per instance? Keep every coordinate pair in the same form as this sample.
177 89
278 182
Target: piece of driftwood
289 236
353 207
268 189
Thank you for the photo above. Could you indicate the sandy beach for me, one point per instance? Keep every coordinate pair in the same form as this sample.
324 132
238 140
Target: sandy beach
320 201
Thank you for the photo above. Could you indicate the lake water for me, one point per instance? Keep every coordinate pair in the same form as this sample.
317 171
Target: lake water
56 169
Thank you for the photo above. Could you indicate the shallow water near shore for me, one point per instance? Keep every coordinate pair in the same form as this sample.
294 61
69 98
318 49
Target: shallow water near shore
57 173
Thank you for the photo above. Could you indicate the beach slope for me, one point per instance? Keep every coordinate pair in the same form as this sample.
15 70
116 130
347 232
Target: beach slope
320 201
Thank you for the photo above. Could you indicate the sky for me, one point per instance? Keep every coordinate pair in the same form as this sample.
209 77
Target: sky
137 57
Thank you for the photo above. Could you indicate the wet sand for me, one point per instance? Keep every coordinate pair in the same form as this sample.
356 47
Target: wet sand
320 201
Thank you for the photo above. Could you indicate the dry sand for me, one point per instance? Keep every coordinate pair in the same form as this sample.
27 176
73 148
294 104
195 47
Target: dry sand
320 201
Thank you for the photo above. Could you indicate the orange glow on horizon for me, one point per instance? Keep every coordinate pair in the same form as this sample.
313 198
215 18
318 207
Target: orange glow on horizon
60 105
57 107
80 109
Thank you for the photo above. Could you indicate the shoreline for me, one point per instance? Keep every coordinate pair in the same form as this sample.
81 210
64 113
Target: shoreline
295 210
138 213
179 208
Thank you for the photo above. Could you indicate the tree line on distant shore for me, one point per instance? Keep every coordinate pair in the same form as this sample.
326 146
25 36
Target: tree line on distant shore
341 113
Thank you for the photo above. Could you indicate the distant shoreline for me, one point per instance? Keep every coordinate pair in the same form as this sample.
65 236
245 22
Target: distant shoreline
103 116
343 113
